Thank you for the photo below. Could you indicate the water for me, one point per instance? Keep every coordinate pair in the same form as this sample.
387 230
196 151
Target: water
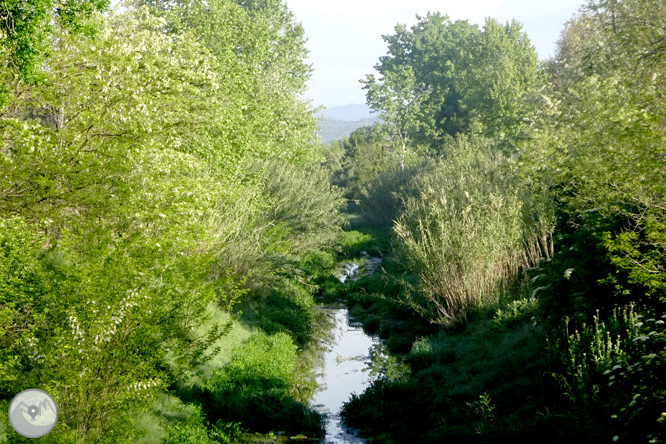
353 271
342 375
344 363
350 271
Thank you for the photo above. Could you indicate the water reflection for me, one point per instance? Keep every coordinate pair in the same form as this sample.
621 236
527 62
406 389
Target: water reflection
342 374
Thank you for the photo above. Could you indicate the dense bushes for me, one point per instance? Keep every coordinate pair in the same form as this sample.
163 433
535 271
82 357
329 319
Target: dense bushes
154 178
282 212
467 386
383 197
107 331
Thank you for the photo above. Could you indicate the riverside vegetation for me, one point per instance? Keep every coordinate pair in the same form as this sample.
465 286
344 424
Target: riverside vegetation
168 218
159 175
524 279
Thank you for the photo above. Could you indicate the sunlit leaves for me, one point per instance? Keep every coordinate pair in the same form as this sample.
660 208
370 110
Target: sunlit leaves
26 26
463 76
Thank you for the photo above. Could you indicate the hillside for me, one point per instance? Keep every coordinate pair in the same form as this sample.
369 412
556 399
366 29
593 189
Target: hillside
337 129
351 111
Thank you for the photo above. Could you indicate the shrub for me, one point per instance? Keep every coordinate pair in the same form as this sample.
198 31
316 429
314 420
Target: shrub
108 330
303 211
187 434
611 374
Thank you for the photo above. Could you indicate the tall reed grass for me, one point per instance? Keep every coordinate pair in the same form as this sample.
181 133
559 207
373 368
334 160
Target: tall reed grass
469 230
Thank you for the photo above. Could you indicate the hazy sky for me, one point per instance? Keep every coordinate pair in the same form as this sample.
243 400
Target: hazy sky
344 36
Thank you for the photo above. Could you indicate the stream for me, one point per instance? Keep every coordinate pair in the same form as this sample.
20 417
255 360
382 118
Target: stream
342 373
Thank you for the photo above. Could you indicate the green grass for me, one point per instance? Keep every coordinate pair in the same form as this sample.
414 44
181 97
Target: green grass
167 409
239 333
374 241
171 421
258 389
459 379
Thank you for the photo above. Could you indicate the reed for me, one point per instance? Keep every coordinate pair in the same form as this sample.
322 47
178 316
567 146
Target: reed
470 230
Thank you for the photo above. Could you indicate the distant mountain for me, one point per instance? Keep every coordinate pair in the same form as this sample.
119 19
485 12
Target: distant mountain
351 111
341 121
331 130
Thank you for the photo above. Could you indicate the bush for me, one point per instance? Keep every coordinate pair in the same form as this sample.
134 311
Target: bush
483 384
610 373
279 314
303 211
375 242
187 434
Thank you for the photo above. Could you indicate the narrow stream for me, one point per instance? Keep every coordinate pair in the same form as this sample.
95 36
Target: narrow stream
345 360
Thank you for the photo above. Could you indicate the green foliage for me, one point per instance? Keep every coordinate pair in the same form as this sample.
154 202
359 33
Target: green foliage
398 100
384 365
280 213
516 311
99 332
444 76
304 210
26 31
351 240
462 235
600 144
373 241
261 50
181 434
613 367
583 194
79 158
382 199
22 289
640 253
359 159
467 386
255 389
139 217
280 314
318 262
193 429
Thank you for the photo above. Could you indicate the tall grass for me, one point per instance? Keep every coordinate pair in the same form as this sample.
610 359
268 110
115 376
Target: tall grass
382 198
276 210
469 230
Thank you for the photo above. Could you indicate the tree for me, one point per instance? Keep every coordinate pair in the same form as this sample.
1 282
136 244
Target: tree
123 264
77 148
26 32
260 49
460 76
504 67
397 99
606 142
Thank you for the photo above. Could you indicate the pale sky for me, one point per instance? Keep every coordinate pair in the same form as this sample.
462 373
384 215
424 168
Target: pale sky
344 36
